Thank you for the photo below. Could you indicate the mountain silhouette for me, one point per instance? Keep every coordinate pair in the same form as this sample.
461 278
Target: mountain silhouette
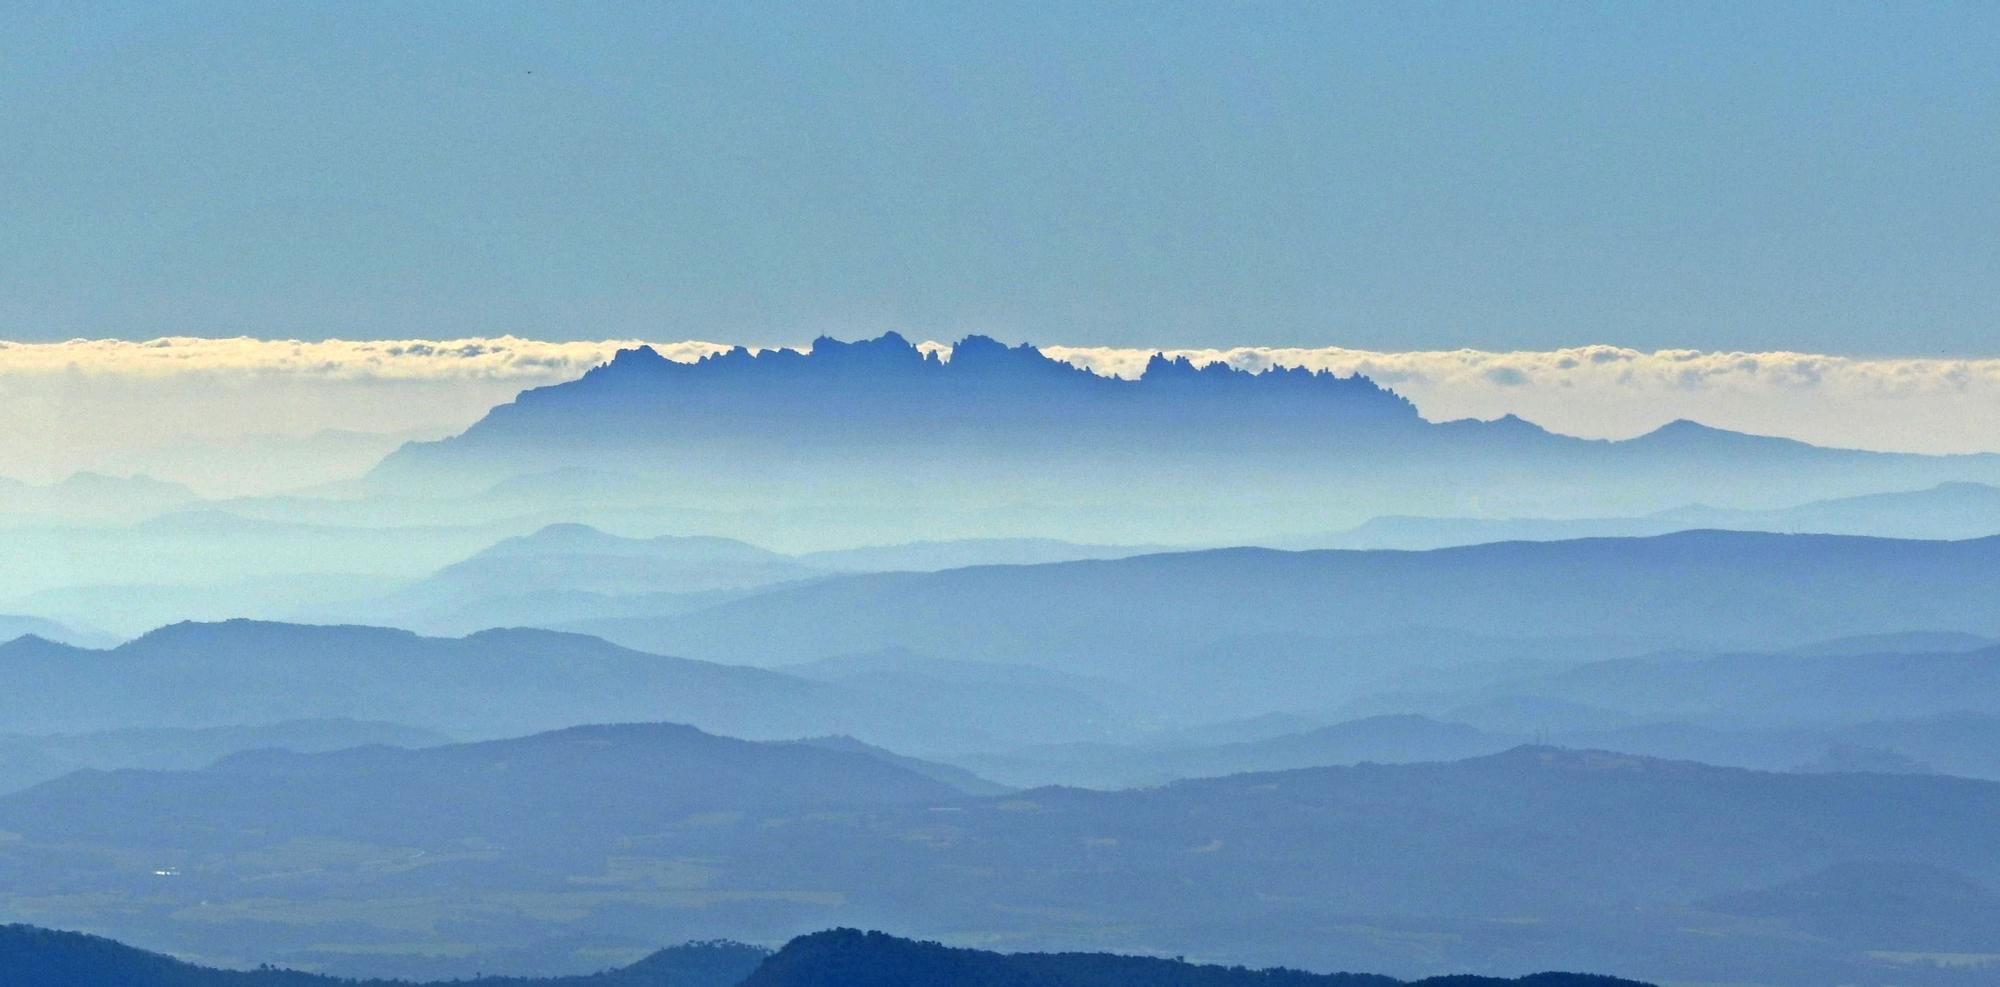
492 683
536 796
1965 744
873 431
565 573
1947 511
17 625
1780 689
92 496
851 958
1146 618
28 759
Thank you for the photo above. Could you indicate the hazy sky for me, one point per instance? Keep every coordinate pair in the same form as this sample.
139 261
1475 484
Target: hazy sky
1820 177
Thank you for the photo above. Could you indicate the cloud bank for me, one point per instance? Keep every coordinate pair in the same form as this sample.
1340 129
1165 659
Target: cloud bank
496 358
1891 403
210 412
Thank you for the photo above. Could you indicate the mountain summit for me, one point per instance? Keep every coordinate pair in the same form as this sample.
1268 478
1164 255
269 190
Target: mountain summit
984 387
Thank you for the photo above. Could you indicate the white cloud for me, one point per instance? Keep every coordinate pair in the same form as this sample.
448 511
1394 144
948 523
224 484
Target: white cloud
115 404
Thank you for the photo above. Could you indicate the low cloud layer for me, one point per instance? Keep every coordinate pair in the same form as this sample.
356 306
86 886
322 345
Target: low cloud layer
1905 404
497 358
187 408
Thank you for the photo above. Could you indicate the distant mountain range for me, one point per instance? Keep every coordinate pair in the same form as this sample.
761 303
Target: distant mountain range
1782 689
93 496
28 759
982 658
1531 858
564 574
470 570
1948 511
854 441
849 958
17 625
1966 744
543 796
32 957
837 958
492 683
1272 623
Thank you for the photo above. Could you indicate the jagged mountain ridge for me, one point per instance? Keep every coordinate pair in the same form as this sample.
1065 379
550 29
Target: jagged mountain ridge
886 394
885 429
890 380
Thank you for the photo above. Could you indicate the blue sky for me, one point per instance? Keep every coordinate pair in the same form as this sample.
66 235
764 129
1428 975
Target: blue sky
1819 177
